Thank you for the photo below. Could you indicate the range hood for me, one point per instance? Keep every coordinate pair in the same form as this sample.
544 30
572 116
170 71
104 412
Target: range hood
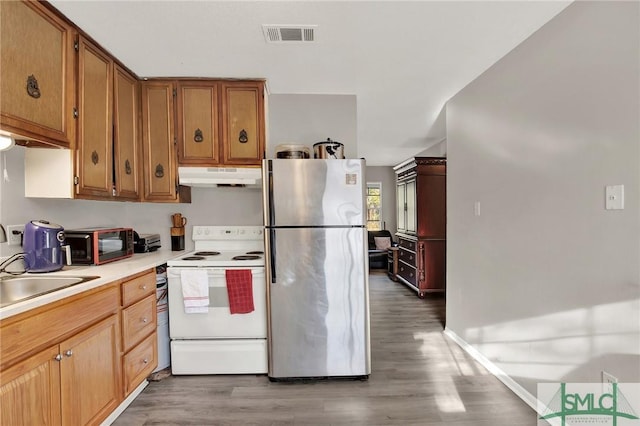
208 177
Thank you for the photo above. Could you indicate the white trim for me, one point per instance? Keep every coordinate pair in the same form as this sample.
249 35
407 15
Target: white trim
124 404
374 184
521 392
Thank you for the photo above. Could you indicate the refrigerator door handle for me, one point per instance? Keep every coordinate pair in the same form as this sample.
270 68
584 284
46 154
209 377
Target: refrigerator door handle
272 254
271 209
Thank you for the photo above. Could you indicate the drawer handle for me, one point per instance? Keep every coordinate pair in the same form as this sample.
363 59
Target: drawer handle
69 353
410 257
143 287
58 357
145 361
402 268
145 320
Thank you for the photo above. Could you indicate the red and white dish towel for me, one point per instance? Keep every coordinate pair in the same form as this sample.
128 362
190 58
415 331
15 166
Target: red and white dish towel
240 290
195 291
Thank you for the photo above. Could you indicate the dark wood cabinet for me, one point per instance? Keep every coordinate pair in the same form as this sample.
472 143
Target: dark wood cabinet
422 223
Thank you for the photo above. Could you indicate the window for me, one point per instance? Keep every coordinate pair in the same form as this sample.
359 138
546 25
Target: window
374 206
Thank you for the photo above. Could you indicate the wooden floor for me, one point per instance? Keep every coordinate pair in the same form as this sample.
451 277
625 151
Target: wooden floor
419 377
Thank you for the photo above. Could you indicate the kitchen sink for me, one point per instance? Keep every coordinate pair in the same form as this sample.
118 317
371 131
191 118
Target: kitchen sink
15 289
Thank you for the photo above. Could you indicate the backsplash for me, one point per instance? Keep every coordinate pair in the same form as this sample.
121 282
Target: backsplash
210 206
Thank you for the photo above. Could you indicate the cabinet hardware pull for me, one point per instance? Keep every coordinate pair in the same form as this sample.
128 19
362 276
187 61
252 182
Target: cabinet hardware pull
145 320
143 286
243 138
69 353
95 158
197 136
159 171
58 357
32 87
127 167
146 361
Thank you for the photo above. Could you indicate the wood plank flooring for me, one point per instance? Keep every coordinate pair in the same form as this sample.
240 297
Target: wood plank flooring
419 377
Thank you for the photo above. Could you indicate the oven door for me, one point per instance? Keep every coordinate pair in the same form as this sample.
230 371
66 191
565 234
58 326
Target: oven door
218 323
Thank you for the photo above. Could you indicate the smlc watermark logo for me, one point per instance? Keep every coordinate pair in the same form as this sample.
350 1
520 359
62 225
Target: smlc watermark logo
593 404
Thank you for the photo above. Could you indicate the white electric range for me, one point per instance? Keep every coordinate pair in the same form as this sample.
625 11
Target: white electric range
218 342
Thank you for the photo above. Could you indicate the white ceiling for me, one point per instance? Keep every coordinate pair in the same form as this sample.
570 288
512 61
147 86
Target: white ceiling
403 60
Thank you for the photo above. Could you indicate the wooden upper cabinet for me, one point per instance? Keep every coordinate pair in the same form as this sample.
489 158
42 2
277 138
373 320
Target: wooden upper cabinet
127 148
95 135
243 122
159 155
198 128
37 80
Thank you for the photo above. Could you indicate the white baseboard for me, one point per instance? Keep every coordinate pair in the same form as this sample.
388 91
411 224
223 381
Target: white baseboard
521 392
124 404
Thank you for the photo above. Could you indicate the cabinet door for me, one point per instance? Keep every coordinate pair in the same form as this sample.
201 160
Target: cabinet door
159 154
95 135
198 132
30 391
37 84
90 373
243 122
127 145
411 206
401 199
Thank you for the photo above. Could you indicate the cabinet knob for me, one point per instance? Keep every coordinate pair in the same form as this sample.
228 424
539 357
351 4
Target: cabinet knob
95 158
127 167
58 357
145 361
145 320
69 353
143 287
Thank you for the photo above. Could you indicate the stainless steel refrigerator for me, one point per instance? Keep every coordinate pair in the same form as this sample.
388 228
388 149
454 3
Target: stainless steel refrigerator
317 268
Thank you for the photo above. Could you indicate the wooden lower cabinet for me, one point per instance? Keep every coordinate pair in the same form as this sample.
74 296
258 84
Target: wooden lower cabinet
74 382
421 264
30 391
74 361
139 329
90 374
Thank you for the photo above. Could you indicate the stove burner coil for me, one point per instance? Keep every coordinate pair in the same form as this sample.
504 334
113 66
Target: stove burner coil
206 253
255 252
193 258
245 257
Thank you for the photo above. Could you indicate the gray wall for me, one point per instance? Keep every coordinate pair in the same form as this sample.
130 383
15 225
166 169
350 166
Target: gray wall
545 283
299 118
215 206
307 119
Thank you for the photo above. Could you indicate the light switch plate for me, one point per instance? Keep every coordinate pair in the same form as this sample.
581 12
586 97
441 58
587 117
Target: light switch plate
614 197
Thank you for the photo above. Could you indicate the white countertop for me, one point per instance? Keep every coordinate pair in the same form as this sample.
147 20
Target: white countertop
108 273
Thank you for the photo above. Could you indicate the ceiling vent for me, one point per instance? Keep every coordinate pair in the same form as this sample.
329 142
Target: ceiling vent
289 33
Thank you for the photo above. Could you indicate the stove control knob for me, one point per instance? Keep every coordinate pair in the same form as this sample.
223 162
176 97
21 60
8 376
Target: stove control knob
206 231
198 231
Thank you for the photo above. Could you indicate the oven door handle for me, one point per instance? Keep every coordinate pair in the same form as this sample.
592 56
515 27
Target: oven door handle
272 254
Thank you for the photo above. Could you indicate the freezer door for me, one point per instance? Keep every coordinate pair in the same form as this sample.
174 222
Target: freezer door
318 303
314 192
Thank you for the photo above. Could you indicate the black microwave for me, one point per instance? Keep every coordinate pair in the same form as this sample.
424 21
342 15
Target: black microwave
95 246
